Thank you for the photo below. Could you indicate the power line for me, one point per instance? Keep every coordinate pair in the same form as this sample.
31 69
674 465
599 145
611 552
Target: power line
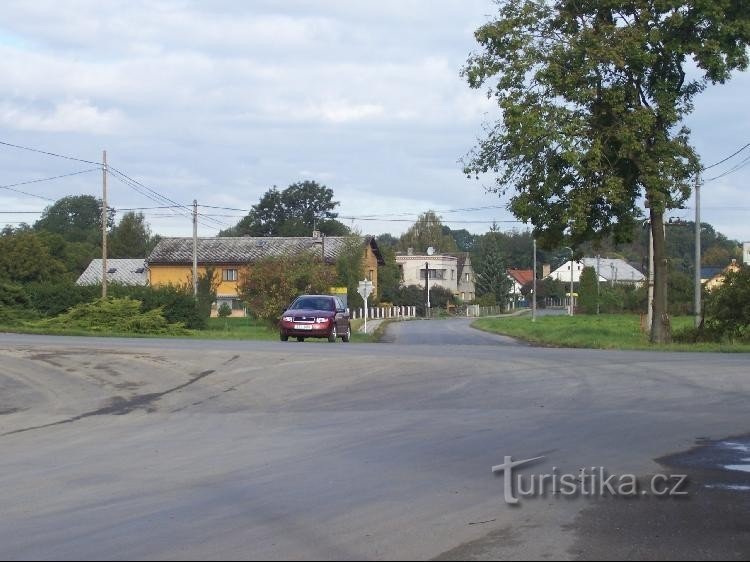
731 171
48 153
727 158
10 186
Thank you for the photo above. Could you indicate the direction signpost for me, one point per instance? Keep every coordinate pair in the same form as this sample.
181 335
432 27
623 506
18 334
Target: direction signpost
365 290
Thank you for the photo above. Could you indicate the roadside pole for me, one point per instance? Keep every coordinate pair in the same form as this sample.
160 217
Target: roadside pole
533 289
598 277
365 290
697 298
195 248
105 216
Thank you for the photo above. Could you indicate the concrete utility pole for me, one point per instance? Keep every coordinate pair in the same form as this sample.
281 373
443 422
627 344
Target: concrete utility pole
570 310
105 215
195 248
598 278
650 277
533 289
697 305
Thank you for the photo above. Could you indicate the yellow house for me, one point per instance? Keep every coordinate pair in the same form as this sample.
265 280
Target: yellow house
718 280
171 262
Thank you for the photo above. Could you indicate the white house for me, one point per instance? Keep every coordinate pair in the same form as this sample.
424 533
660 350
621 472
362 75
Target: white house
450 272
610 271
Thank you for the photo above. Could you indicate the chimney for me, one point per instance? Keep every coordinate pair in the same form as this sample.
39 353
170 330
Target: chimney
316 234
546 270
410 251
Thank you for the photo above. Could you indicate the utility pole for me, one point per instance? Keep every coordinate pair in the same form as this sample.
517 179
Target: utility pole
533 290
598 278
650 277
697 304
195 248
105 216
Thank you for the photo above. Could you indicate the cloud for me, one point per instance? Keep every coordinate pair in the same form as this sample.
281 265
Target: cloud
70 116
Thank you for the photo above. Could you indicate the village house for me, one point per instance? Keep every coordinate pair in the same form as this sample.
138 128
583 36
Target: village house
451 272
171 261
120 271
613 271
719 278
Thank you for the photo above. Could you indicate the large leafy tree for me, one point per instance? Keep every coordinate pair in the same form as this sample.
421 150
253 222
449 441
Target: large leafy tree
295 211
77 218
26 258
593 95
428 231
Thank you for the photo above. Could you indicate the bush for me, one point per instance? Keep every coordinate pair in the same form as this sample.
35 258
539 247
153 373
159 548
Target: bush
51 299
15 316
271 284
728 307
13 296
112 315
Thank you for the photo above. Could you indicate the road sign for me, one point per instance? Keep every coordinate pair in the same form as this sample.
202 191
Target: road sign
365 290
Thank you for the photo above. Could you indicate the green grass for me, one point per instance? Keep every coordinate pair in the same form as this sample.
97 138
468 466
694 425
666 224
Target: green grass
607 331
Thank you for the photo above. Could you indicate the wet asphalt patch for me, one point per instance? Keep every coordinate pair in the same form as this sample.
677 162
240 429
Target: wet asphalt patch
712 522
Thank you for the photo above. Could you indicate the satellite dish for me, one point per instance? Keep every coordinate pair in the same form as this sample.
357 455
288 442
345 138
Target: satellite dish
430 251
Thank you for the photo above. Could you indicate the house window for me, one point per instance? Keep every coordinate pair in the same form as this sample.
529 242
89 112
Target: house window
370 275
467 278
229 275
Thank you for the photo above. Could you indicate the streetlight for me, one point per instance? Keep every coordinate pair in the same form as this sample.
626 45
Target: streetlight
571 280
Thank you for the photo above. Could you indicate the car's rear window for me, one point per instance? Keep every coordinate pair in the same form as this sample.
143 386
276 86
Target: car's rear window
313 303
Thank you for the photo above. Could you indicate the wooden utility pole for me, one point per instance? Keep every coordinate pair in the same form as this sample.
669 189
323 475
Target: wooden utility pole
105 216
195 248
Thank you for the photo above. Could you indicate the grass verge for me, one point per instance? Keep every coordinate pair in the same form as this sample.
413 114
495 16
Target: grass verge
607 331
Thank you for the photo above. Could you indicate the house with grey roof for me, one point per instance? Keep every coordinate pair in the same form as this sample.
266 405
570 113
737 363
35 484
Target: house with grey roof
122 271
171 261
616 271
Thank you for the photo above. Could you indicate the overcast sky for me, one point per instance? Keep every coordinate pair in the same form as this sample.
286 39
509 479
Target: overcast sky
219 101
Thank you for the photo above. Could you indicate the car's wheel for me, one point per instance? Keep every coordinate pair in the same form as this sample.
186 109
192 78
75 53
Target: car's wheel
299 339
348 336
283 337
333 335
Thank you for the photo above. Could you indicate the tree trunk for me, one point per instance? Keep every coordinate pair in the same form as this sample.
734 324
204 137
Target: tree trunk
661 331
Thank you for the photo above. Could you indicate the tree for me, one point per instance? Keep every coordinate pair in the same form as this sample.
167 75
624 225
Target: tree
270 284
728 307
350 265
587 291
207 285
425 233
77 218
593 97
295 211
131 238
490 263
25 258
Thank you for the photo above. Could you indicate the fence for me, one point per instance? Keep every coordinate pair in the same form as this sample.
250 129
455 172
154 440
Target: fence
378 312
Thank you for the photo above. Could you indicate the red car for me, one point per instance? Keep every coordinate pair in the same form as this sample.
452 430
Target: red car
315 316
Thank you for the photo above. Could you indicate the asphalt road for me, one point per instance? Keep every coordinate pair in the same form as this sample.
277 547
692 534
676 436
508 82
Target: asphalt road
163 449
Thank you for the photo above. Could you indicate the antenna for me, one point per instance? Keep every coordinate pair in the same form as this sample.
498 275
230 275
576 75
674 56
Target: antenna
430 251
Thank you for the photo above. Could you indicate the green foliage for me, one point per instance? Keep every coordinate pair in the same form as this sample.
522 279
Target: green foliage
350 267
411 295
486 300
593 98
727 308
587 291
440 297
77 218
177 303
131 238
224 311
208 283
13 295
389 275
122 316
15 316
427 232
295 211
26 258
491 269
271 284
51 299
